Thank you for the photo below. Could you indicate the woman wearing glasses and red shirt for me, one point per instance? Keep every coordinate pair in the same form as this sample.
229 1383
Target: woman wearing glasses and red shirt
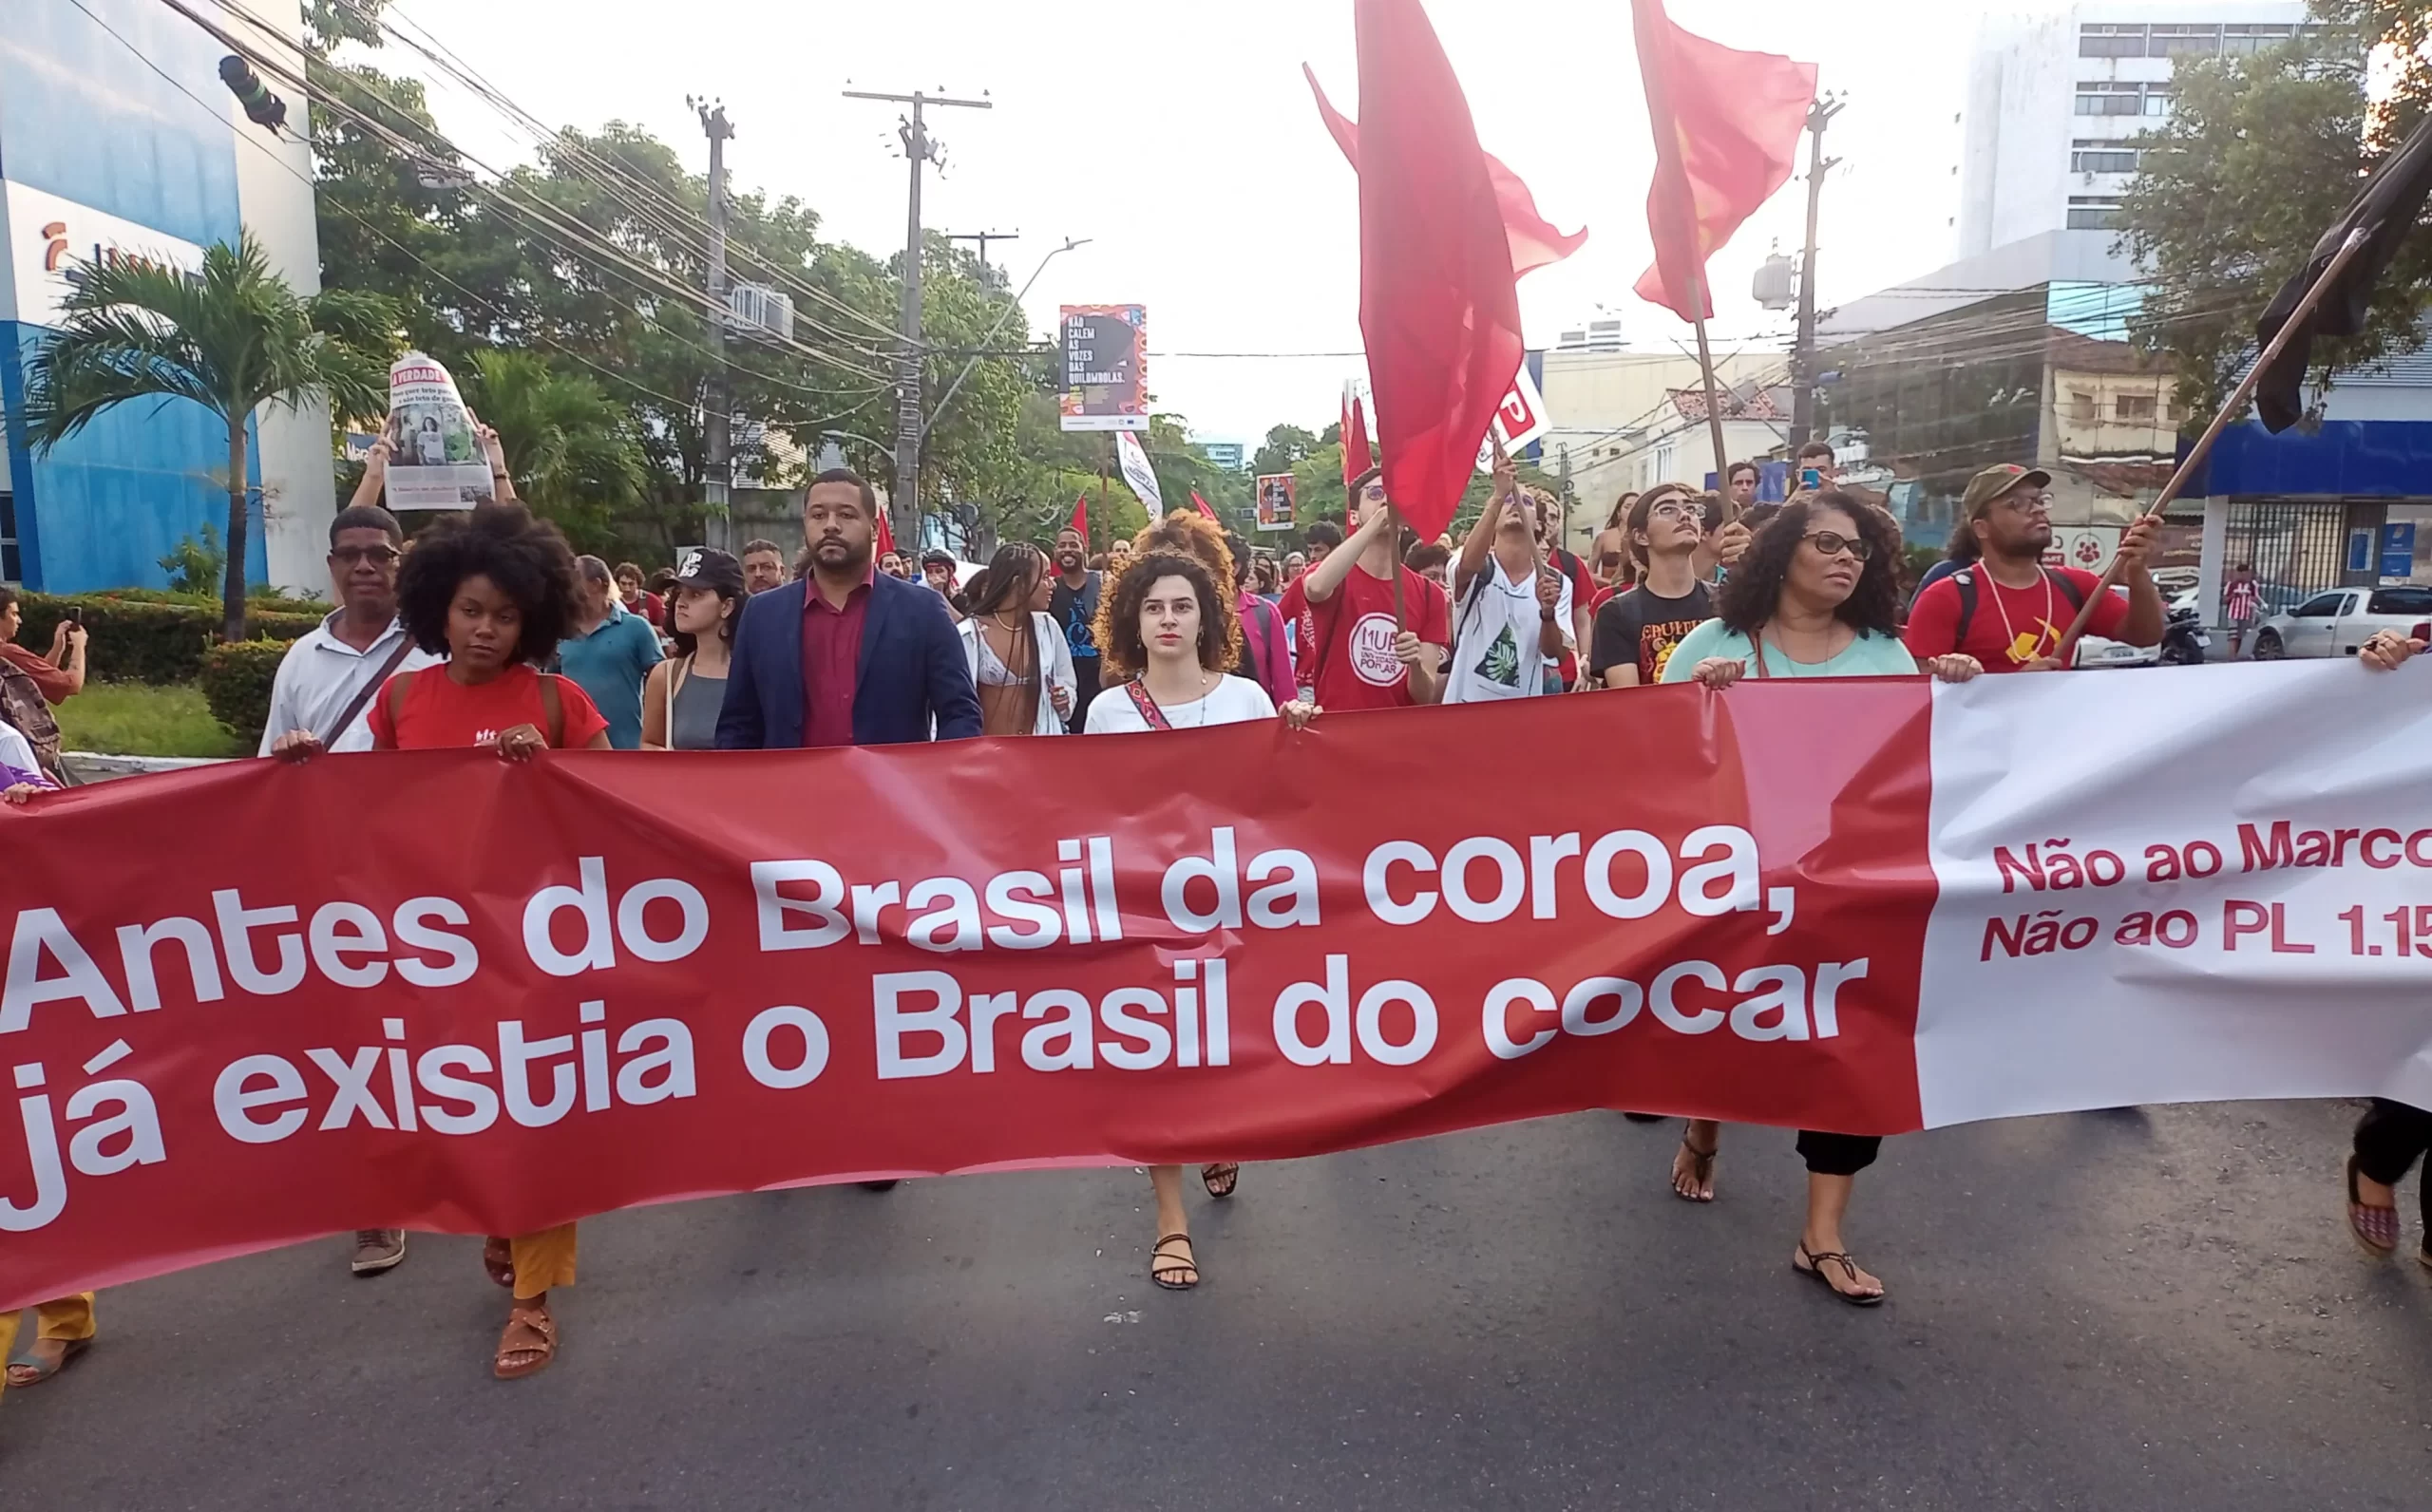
1815 595
493 594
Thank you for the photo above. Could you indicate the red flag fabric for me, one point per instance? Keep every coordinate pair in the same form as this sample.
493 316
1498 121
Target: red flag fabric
885 533
1727 135
1437 298
1534 241
1204 507
1080 521
1355 458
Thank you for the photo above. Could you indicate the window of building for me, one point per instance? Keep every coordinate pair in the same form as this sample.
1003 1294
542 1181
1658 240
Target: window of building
2082 407
2185 39
2243 39
2111 40
2159 100
2086 214
2133 406
2103 156
2101 97
11 569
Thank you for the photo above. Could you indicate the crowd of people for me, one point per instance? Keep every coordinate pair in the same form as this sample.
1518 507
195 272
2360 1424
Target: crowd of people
487 630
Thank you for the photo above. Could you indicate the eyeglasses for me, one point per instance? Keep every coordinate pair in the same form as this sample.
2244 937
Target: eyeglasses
376 556
2025 502
1832 543
1669 510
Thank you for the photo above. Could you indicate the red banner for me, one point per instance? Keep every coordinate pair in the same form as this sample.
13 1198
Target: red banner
256 1002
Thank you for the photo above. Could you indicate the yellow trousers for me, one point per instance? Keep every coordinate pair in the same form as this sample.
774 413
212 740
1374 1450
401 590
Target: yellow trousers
543 1260
71 1317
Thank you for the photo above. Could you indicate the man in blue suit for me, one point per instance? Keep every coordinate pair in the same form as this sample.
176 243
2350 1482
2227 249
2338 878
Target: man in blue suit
845 656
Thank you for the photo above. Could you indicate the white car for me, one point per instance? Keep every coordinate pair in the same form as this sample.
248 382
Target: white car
2338 622
2094 651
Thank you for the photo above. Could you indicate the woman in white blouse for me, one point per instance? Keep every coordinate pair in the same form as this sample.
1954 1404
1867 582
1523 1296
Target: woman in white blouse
1019 658
1167 633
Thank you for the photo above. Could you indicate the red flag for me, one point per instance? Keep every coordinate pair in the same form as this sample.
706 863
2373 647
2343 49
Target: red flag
1354 439
1534 240
1202 507
1726 134
1080 521
885 533
1436 301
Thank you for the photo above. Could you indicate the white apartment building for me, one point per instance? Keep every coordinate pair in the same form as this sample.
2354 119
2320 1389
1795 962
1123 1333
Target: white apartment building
1619 424
2055 99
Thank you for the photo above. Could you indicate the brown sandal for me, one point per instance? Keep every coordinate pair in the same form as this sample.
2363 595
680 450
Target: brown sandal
1220 1178
1701 1171
1814 1271
1164 1267
498 1257
530 1334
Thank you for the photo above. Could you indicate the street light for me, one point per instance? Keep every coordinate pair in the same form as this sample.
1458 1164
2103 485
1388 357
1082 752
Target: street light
952 388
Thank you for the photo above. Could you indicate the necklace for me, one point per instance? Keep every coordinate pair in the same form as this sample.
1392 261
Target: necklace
2009 635
1199 703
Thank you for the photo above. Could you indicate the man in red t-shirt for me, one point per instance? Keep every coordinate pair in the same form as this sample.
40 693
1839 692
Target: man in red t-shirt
2005 608
1350 653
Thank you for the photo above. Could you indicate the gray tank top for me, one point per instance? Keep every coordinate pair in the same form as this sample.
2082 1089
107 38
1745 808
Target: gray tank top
693 723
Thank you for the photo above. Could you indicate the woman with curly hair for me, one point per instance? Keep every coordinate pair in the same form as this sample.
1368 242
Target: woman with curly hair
493 593
1815 596
1167 633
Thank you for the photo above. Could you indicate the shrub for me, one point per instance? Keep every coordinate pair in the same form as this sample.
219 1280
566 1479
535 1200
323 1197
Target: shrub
150 637
237 679
195 566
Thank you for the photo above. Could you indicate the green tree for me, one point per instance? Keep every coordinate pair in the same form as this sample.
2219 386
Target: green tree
571 449
2260 156
232 338
1285 447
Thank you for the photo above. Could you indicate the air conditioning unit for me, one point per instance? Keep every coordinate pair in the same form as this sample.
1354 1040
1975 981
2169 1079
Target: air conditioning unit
758 310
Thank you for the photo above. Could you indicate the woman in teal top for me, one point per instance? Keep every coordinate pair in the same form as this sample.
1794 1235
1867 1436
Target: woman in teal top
1814 597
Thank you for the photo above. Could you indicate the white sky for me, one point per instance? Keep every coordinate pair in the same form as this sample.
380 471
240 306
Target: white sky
1180 138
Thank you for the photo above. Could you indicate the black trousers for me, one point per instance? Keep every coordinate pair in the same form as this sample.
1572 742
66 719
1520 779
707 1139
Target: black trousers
2390 1138
1839 1154
1085 674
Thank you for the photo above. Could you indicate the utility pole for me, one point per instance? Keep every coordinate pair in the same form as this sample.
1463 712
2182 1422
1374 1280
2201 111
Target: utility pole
920 150
984 238
718 458
1803 394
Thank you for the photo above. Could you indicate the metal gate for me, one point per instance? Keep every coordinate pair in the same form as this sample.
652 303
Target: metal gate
2297 548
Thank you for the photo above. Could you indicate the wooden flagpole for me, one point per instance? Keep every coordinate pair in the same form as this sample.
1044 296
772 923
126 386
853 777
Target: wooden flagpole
2237 400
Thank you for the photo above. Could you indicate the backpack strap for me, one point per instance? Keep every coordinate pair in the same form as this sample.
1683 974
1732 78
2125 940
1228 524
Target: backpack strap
2068 587
1251 629
553 708
1966 581
1147 706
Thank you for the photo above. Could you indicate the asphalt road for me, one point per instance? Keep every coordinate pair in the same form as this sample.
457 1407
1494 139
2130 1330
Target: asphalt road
2143 1309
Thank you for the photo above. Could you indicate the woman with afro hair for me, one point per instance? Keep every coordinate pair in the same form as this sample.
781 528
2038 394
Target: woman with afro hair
493 593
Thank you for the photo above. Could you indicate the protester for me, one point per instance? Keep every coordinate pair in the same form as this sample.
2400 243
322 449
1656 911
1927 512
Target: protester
638 599
64 1330
893 565
608 650
1072 603
326 679
2241 604
1579 586
20 773
2004 607
1322 540
681 700
58 676
1018 655
1637 631
1817 456
764 566
1739 485
1433 562
493 593
23 705
845 656
937 574
1351 652
1814 597
1611 550
1118 556
1513 609
1167 633
1295 563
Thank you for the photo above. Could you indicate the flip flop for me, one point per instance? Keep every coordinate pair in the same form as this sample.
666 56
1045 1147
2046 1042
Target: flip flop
1701 1171
37 1372
2374 1228
1814 1271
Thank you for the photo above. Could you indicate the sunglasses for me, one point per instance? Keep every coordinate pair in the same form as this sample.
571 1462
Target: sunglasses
376 556
1832 543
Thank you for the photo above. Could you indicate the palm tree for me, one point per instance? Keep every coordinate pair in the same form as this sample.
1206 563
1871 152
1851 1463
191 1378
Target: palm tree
574 453
231 338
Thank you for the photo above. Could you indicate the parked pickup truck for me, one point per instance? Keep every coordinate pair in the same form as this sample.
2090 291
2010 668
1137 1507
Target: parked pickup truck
2339 622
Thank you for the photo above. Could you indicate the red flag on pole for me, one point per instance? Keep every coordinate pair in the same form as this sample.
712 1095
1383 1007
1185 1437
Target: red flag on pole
1355 458
1727 135
1436 301
1534 240
1202 507
1080 521
886 535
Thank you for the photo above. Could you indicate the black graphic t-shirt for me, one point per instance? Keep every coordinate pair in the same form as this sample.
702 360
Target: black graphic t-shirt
1638 630
1076 610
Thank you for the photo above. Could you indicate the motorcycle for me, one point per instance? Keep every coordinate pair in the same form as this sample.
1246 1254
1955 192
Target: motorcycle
2185 642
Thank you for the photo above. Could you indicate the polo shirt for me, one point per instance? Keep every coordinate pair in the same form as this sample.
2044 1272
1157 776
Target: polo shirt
610 664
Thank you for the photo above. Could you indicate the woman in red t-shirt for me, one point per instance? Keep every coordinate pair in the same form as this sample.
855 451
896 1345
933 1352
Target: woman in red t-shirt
493 593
